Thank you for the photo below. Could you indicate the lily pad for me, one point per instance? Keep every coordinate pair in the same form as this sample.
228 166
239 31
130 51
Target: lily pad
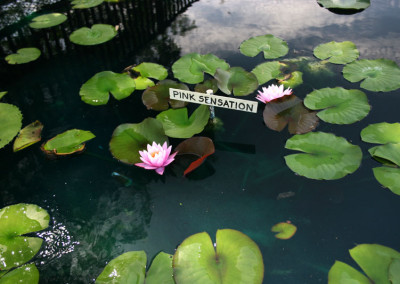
96 90
337 52
16 221
129 138
341 272
191 67
388 177
236 259
345 4
291 80
272 47
285 230
201 147
29 135
47 20
68 142
24 274
157 97
2 94
341 106
394 271
97 34
23 55
267 71
381 133
130 267
10 123
325 156
236 80
388 154
210 84
151 70
142 83
379 75
177 124
289 110
84 4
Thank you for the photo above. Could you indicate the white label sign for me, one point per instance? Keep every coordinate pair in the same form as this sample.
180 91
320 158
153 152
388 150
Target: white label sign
213 100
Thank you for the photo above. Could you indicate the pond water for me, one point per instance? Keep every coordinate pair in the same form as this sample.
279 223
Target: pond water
96 218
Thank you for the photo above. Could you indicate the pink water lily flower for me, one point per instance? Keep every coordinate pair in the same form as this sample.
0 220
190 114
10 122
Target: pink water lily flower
272 92
156 157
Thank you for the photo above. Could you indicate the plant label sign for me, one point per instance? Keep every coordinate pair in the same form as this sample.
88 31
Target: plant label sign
212 100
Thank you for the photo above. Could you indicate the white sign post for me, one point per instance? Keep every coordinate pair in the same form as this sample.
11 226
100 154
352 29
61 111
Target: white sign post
213 100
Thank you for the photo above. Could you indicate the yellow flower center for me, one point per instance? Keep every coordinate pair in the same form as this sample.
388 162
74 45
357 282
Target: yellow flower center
153 154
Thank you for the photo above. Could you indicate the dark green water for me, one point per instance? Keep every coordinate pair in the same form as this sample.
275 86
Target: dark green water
96 218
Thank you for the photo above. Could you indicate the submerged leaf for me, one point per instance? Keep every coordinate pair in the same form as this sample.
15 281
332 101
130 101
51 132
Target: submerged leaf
289 110
16 221
201 147
68 142
157 97
341 106
291 80
379 75
325 156
96 90
337 52
272 47
285 230
10 123
23 55
47 20
191 67
236 80
236 259
177 124
97 34
25 274
29 135
129 138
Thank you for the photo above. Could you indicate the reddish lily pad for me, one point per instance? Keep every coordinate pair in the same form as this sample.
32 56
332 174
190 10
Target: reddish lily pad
285 230
289 110
207 85
157 97
29 135
198 146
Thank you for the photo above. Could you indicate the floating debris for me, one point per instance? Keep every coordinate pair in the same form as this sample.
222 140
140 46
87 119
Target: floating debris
286 194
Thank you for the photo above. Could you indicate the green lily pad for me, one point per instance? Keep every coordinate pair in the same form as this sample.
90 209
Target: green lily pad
379 75
394 271
129 138
29 135
142 83
285 230
68 142
97 34
157 97
345 4
160 271
381 133
47 20
375 261
291 80
191 67
177 124
272 47
236 80
129 267
96 90
23 55
15 221
24 274
337 52
151 70
84 4
341 106
325 156
236 259
343 273
388 154
2 94
210 84
10 123
289 110
267 71
388 177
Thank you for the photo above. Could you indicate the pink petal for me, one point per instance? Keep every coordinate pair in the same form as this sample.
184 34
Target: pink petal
160 170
